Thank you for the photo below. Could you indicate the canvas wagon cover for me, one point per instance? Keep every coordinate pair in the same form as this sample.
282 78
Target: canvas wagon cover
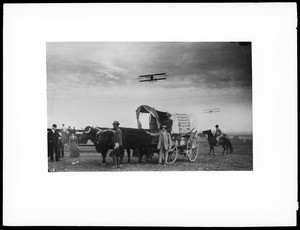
181 122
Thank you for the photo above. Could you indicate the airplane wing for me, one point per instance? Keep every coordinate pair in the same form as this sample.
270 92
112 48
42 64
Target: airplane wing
149 75
158 74
156 79
212 110
144 80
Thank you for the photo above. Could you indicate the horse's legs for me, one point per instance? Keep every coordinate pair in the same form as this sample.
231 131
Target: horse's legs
225 146
119 163
223 149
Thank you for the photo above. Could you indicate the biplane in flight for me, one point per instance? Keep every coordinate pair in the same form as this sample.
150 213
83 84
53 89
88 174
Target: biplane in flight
152 78
210 111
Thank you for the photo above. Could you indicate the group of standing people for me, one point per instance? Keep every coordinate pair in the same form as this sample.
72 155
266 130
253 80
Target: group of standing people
58 139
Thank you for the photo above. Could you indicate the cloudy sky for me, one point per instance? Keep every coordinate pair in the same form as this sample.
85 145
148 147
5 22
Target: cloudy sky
95 83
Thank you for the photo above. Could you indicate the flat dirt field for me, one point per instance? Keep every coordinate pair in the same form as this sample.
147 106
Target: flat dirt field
240 160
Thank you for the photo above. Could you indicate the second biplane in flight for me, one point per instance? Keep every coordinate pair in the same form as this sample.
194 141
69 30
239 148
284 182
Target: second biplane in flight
210 111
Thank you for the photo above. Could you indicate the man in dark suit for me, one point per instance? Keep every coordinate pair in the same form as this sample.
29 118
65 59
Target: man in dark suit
53 143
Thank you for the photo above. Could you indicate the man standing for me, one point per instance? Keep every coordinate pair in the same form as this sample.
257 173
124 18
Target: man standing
117 151
218 134
53 143
168 123
164 145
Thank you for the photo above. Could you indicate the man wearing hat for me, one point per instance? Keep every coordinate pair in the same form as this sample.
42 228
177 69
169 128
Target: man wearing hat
164 145
218 134
117 144
53 143
168 123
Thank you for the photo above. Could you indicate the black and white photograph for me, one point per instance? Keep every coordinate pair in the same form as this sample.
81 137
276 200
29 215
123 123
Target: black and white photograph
149 106
150 114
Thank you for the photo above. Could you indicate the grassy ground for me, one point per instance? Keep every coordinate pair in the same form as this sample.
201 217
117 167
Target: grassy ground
89 160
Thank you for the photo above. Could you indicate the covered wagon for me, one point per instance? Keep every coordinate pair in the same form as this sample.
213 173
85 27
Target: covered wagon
183 136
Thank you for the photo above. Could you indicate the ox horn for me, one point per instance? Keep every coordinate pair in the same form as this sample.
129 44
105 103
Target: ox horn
88 130
99 132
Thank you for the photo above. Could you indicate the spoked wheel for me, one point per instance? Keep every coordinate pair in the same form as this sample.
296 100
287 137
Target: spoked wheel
192 149
172 154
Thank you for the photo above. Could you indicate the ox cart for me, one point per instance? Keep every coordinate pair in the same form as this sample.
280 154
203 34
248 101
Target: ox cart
184 140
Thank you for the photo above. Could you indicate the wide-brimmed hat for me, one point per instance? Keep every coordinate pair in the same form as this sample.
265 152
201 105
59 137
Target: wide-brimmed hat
116 123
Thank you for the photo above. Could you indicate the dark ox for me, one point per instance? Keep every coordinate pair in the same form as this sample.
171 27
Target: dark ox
135 139
93 134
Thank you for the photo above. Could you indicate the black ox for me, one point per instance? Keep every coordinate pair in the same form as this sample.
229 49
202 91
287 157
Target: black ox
103 139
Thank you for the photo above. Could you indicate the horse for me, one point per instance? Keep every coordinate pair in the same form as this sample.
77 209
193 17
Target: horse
225 142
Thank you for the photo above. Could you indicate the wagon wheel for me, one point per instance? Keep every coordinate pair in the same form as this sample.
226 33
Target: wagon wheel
192 149
172 154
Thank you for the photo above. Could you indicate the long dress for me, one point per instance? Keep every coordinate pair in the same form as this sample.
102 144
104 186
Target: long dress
74 151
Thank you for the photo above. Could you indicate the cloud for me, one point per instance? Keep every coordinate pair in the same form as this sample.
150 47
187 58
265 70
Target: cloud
200 75
188 64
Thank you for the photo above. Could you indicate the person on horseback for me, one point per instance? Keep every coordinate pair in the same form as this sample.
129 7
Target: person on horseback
218 134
